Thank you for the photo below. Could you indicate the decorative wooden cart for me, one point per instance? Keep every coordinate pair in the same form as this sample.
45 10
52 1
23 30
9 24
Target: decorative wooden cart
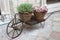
16 26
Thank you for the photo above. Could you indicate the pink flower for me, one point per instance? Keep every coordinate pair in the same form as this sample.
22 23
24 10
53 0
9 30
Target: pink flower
37 8
40 9
43 9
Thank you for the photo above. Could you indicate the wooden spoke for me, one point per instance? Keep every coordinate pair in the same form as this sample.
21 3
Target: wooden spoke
17 32
13 34
10 31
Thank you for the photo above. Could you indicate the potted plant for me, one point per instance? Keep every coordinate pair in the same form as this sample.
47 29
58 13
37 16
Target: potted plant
25 11
40 13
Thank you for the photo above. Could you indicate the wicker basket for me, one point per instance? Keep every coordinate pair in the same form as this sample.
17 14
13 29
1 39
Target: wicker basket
39 16
25 16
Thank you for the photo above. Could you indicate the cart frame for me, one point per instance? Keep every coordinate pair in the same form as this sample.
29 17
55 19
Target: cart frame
15 22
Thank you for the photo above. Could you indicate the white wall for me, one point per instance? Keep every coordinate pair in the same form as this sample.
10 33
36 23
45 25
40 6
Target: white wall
5 6
0 4
9 6
18 2
34 2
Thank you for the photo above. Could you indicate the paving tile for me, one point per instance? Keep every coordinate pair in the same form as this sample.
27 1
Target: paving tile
55 35
57 29
40 38
56 24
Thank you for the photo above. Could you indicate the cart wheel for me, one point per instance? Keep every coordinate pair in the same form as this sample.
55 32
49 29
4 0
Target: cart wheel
14 29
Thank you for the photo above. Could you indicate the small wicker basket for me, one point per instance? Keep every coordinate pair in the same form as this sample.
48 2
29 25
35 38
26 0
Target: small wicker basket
25 16
39 16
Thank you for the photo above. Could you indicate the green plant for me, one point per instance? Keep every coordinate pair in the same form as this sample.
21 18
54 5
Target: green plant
25 7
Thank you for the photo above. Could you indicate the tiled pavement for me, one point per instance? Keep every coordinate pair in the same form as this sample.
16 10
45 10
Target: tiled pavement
51 30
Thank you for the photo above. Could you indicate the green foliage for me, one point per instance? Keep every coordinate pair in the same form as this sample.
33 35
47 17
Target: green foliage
25 7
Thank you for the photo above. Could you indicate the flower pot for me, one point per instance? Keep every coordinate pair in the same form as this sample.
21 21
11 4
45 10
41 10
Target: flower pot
39 16
40 13
25 16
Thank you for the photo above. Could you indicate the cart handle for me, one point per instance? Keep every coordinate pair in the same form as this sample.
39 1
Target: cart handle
49 14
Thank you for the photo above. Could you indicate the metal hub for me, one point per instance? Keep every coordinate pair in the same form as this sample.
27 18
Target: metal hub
15 28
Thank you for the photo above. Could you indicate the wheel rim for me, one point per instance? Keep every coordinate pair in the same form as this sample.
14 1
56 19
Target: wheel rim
13 32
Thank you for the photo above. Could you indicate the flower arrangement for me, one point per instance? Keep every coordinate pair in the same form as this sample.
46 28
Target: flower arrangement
25 7
40 9
25 11
40 12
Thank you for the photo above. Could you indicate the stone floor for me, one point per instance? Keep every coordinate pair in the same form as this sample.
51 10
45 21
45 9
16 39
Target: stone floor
51 30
